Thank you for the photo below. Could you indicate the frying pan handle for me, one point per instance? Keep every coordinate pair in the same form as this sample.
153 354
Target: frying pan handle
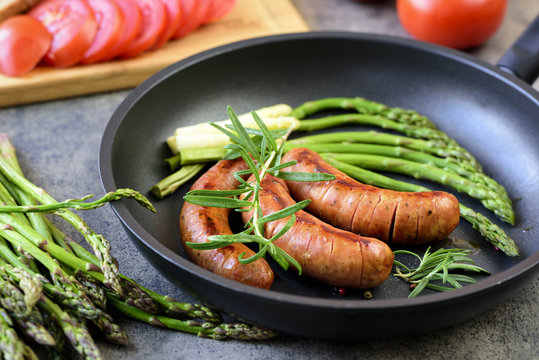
522 59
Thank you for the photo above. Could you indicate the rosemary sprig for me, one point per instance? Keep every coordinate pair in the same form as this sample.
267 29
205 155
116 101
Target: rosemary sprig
437 267
262 150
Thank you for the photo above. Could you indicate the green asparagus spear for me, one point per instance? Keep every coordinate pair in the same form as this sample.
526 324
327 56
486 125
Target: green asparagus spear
58 237
29 320
55 352
172 182
112 331
375 137
78 204
93 288
6 198
30 285
362 105
12 347
490 231
76 332
202 155
204 329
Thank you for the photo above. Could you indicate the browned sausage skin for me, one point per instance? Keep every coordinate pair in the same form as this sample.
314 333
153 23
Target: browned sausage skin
332 255
197 223
392 216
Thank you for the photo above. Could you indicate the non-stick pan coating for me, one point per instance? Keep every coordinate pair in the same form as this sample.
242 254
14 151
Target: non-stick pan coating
496 118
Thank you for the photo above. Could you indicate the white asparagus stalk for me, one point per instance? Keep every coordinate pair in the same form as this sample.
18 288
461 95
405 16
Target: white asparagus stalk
204 135
246 120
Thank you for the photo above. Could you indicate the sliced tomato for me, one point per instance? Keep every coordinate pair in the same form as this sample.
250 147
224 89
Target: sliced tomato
218 9
174 18
194 13
153 23
110 21
24 42
132 26
73 27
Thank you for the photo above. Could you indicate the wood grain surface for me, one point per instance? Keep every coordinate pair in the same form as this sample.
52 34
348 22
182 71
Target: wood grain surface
248 19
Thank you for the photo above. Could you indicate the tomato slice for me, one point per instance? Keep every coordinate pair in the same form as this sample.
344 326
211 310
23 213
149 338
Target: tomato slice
153 23
174 18
24 42
218 9
132 26
110 22
73 27
187 8
194 13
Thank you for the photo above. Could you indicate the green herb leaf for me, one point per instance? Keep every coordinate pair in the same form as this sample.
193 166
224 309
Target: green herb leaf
275 133
285 212
239 237
244 172
233 137
265 131
253 258
242 182
302 176
292 261
214 201
282 166
245 139
212 244
285 228
279 257
231 155
419 288
217 193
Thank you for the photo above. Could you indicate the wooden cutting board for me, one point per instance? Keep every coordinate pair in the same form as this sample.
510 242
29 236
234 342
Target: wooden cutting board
248 19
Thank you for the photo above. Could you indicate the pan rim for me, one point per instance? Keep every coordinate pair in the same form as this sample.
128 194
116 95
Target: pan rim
521 269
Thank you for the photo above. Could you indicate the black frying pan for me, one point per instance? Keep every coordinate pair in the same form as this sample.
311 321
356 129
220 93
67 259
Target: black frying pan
493 114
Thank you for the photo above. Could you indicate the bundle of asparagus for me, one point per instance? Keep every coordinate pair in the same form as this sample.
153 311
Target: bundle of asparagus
52 288
424 153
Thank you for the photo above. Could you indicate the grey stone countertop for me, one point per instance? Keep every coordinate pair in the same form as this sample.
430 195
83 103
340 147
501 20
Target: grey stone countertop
58 144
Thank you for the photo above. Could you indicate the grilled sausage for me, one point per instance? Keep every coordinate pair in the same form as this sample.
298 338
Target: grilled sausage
199 222
392 216
332 255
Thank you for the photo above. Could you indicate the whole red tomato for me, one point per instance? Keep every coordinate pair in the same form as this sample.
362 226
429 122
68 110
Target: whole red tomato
458 24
